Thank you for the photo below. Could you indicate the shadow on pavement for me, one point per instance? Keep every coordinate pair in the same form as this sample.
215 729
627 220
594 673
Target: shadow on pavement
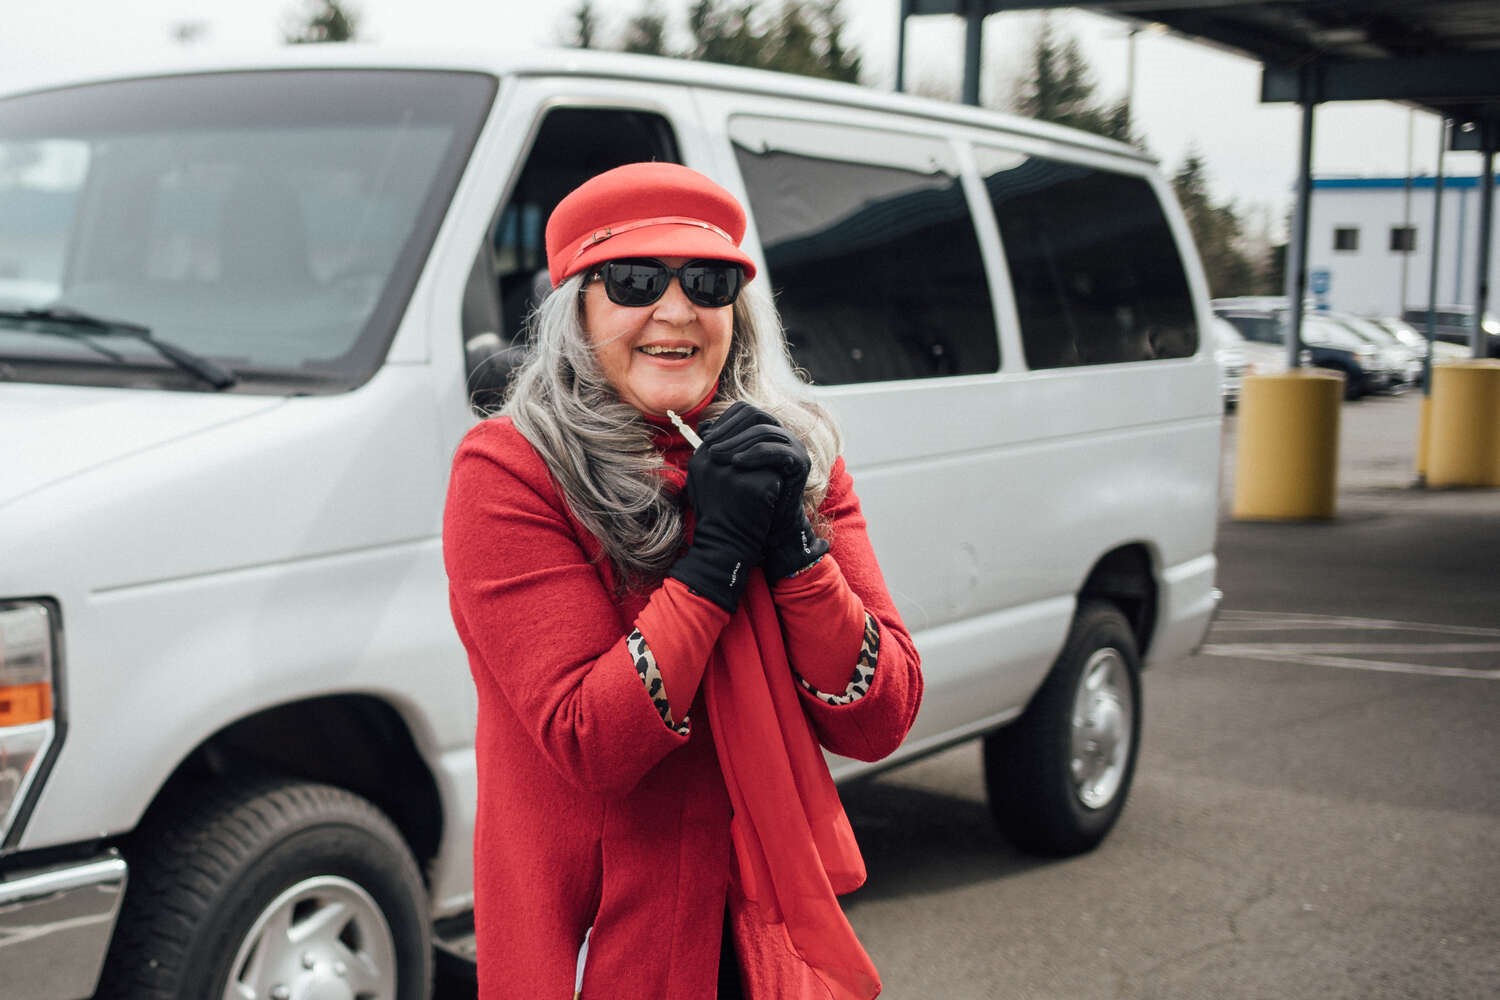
916 841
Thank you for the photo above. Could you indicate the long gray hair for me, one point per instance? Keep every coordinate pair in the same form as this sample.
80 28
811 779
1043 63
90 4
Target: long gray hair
601 451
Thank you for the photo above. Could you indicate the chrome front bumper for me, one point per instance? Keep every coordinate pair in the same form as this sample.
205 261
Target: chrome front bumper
55 926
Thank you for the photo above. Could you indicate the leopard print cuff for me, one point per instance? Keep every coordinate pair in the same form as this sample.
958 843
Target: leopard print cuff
864 669
804 569
645 665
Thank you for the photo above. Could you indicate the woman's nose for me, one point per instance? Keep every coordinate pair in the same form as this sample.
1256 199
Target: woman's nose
673 306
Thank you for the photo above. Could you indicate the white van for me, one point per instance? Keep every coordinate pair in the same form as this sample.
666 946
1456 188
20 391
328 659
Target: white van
248 310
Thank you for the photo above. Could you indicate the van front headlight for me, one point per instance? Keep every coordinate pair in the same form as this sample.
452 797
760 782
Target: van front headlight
28 660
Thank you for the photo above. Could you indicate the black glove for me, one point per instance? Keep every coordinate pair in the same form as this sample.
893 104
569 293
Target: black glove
755 441
733 508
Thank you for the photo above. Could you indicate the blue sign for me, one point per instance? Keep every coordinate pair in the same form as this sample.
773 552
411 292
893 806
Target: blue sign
1318 282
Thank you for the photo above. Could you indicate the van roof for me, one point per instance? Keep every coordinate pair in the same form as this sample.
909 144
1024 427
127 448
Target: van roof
579 62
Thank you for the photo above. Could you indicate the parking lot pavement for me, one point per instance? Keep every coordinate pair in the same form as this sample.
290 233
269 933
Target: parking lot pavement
1317 808
1351 643
1394 551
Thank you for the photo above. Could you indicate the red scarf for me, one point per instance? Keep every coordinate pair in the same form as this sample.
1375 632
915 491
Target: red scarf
795 848
793 845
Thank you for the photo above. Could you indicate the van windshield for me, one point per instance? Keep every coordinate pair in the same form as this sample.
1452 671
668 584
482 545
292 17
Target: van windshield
274 223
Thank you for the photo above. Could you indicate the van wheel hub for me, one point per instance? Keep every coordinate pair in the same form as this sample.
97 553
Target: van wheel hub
325 938
1101 729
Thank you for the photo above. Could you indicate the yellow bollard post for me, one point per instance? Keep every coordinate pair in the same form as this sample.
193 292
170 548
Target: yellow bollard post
1286 460
1464 445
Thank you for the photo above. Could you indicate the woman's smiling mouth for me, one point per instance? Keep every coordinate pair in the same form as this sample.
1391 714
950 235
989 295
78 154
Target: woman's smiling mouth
659 351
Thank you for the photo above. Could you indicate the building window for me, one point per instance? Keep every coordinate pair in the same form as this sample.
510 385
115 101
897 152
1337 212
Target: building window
1346 238
1403 239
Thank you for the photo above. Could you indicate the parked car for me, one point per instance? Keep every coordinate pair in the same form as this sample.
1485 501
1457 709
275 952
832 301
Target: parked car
1326 344
1262 359
1403 364
1238 357
1455 325
1413 338
1229 355
269 297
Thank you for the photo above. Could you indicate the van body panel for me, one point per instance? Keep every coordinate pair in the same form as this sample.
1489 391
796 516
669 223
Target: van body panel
99 426
971 683
451 875
957 519
1093 474
290 554
1188 603
366 459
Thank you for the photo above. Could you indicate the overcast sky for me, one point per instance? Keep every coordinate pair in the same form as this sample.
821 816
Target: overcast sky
1186 95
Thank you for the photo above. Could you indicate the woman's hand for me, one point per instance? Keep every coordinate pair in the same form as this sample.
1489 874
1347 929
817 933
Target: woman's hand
748 438
734 507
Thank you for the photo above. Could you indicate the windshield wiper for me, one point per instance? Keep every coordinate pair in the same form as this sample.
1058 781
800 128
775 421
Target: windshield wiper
82 324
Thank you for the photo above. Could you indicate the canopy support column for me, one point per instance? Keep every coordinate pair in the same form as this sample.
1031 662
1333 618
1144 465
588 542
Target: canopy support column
1437 243
974 11
901 46
1296 251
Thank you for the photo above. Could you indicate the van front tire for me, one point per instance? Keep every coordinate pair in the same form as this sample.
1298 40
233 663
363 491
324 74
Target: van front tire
238 891
1058 777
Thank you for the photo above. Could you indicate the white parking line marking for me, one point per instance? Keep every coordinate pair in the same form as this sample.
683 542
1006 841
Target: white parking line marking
1271 621
1242 648
1312 659
1354 655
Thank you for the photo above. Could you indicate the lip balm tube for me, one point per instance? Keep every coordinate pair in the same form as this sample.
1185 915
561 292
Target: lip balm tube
686 431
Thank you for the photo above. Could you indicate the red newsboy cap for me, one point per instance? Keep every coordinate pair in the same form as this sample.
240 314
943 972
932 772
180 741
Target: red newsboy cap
644 210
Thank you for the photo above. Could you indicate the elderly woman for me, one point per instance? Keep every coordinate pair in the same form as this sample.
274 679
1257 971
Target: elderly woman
663 631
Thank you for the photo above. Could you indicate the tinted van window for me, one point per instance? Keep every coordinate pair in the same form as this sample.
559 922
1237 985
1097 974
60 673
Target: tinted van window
873 257
1096 273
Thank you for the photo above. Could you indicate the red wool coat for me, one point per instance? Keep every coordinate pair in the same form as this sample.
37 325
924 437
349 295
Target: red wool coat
591 811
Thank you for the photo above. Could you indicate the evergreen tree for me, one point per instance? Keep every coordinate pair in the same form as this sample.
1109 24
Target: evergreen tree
1057 86
792 42
646 32
585 29
840 63
721 33
801 36
1118 124
1274 280
323 21
1218 232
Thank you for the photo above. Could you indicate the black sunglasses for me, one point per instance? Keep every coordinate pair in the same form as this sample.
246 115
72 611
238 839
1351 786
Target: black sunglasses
641 281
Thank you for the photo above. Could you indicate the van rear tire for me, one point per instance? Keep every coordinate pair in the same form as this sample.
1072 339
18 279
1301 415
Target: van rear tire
1059 776
269 883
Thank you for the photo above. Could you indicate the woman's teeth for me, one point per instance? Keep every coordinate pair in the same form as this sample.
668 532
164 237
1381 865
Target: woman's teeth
674 352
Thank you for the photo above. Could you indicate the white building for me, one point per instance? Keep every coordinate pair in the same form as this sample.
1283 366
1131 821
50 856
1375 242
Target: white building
1370 243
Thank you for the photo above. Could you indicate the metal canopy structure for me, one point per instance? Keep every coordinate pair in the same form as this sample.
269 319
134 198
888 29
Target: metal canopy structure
1440 55
1443 55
